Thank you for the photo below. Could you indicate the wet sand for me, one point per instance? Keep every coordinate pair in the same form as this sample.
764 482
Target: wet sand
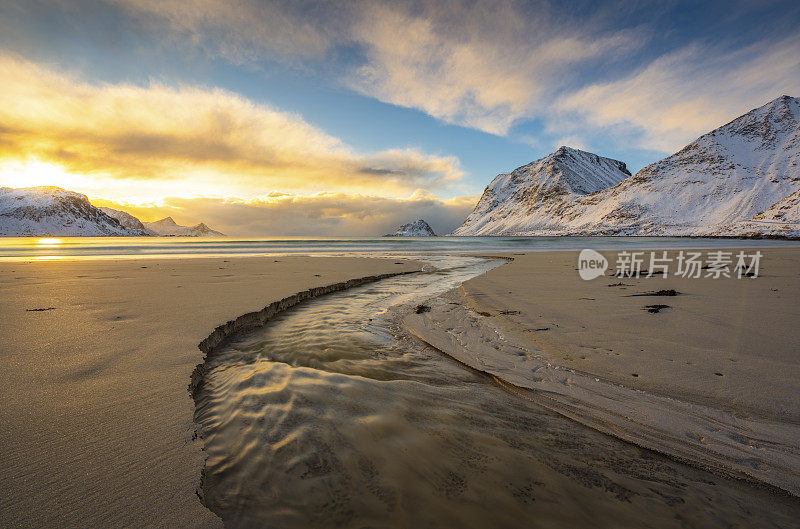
320 419
95 360
711 379
727 343
97 421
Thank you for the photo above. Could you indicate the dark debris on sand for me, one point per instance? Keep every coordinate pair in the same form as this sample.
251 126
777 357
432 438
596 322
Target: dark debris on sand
641 274
666 292
655 308
421 308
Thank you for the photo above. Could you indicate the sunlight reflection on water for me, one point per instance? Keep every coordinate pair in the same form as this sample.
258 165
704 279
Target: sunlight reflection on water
24 248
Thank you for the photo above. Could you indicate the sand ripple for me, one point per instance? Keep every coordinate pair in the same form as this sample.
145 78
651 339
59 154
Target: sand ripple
325 418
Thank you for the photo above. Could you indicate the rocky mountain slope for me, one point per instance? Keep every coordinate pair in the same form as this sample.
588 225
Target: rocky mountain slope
534 197
717 185
127 220
52 211
167 226
781 219
418 228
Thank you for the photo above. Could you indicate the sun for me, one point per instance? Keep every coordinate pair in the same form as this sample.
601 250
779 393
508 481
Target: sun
33 173
48 243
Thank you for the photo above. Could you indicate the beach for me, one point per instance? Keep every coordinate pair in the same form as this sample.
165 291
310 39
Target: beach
399 265
728 343
709 377
96 360
341 412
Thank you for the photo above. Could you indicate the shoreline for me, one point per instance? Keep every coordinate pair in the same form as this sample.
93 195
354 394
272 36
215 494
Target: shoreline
89 249
98 422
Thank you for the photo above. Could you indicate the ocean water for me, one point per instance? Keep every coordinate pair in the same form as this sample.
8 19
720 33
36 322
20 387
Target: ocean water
54 248
331 415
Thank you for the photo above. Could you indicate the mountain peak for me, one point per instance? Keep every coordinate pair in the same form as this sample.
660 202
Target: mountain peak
537 193
567 171
52 211
418 228
562 150
779 115
565 150
571 155
782 101
169 227
774 126
736 177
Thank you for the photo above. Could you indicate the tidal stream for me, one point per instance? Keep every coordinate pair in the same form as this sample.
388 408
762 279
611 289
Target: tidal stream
332 416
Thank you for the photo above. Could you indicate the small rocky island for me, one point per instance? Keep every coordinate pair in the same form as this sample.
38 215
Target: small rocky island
418 228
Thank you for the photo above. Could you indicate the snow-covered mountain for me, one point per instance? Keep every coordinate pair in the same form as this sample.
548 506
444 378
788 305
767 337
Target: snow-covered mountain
787 211
781 219
52 211
719 184
534 197
418 228
167 226
127 220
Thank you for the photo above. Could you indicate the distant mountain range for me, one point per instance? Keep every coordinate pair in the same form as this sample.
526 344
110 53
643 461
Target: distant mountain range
741 179
418 228
167 226
52 211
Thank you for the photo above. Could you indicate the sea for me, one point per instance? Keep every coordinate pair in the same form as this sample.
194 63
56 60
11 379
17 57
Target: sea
73 248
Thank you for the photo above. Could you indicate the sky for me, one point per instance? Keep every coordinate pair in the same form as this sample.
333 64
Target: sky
266 118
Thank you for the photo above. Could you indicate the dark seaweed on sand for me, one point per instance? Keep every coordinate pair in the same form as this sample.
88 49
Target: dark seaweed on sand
668 292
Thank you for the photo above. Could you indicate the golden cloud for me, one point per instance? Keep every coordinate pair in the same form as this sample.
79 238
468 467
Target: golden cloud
323 214
188 139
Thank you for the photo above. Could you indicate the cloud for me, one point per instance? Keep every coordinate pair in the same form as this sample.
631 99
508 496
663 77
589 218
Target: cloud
478 64
639 72
684 94
191 139
483 65
243 31
324 214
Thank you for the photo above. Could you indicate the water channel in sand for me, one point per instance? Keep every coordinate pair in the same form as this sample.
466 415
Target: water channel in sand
332 416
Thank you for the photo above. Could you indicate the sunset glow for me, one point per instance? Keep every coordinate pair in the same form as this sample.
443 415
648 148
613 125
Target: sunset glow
36 173
276 109
399 263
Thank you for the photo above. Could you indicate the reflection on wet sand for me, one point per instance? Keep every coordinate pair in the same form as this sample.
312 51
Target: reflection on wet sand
329 416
